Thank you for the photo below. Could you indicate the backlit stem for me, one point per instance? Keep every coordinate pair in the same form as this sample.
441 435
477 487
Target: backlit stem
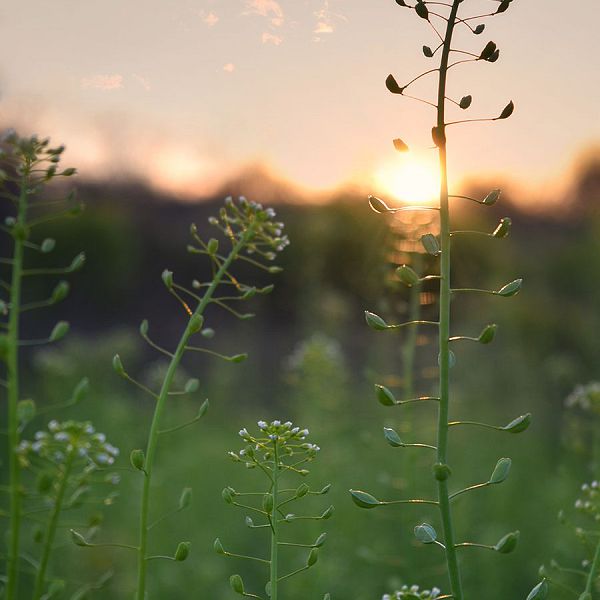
275 525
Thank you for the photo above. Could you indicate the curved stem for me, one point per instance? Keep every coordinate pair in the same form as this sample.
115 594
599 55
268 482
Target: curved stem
12 378
40 578
158 412
444 329
275 525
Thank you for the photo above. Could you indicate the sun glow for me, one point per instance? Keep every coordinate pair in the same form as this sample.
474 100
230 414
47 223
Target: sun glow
410 179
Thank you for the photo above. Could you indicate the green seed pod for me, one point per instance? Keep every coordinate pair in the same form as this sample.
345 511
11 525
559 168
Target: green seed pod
60 292
69 172
60 330
441 471
20 232
384 395
479 29
519 424
325 490
327 513
407 275
378 205
144 326
47 245
503 228
236 583
488 334
320 540
227 495
137 459
213 246
185 499
431 244
302 490
78 262
427 51
491 198
507 111
118 365
489 49
183 551
191 386
425 533
267 503
465 102
312 557
495 56
208 333
364 499
401 3
167 277
249 522
539 592
508 543
238 358
400 145
422 10
392 85
510 289
392 438
26 411
218 547
501 471
503 6
274 270
77 538
196 322
375 321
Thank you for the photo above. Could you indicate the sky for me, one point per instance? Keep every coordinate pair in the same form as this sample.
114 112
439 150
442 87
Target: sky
185 94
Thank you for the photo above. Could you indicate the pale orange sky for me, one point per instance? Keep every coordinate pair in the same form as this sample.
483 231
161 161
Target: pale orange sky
184 93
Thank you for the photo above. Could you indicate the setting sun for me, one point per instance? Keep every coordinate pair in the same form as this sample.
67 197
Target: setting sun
409 179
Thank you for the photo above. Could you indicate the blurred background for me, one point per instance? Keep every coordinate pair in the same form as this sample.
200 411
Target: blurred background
168 107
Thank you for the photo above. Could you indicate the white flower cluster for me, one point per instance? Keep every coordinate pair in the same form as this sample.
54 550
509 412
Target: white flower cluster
589 503
586 397
64 439
412 593
235 218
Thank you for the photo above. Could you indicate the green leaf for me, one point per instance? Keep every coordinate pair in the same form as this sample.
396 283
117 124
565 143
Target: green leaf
393 439
507 111
503 228
501 471
60 330
431 244
511 289
519 424
218 547
425 533
364 499
375 321
185 499
400 145
392 85
407 275
539 592
236 583
488 334
384 395
492 197
508 543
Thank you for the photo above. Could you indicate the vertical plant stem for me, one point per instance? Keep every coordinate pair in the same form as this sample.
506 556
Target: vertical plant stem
275 525
40 578
12 378
159 409
444 320
593 574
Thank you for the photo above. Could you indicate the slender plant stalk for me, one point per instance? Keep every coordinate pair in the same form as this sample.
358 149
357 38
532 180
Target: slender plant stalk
12 378
414 314
275 526
40 578
444 319
159 409
593 574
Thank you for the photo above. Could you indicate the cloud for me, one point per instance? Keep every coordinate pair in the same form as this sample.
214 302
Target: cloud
269 38
143 82
210 18
103 82
229 68
325 19
266 8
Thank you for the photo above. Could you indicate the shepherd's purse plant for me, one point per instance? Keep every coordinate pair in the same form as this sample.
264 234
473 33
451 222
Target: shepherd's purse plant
452 15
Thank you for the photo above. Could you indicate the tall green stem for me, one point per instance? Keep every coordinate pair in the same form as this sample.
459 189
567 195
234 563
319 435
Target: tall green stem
593 574
12 378
40 578
275 526
159 409
444 320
